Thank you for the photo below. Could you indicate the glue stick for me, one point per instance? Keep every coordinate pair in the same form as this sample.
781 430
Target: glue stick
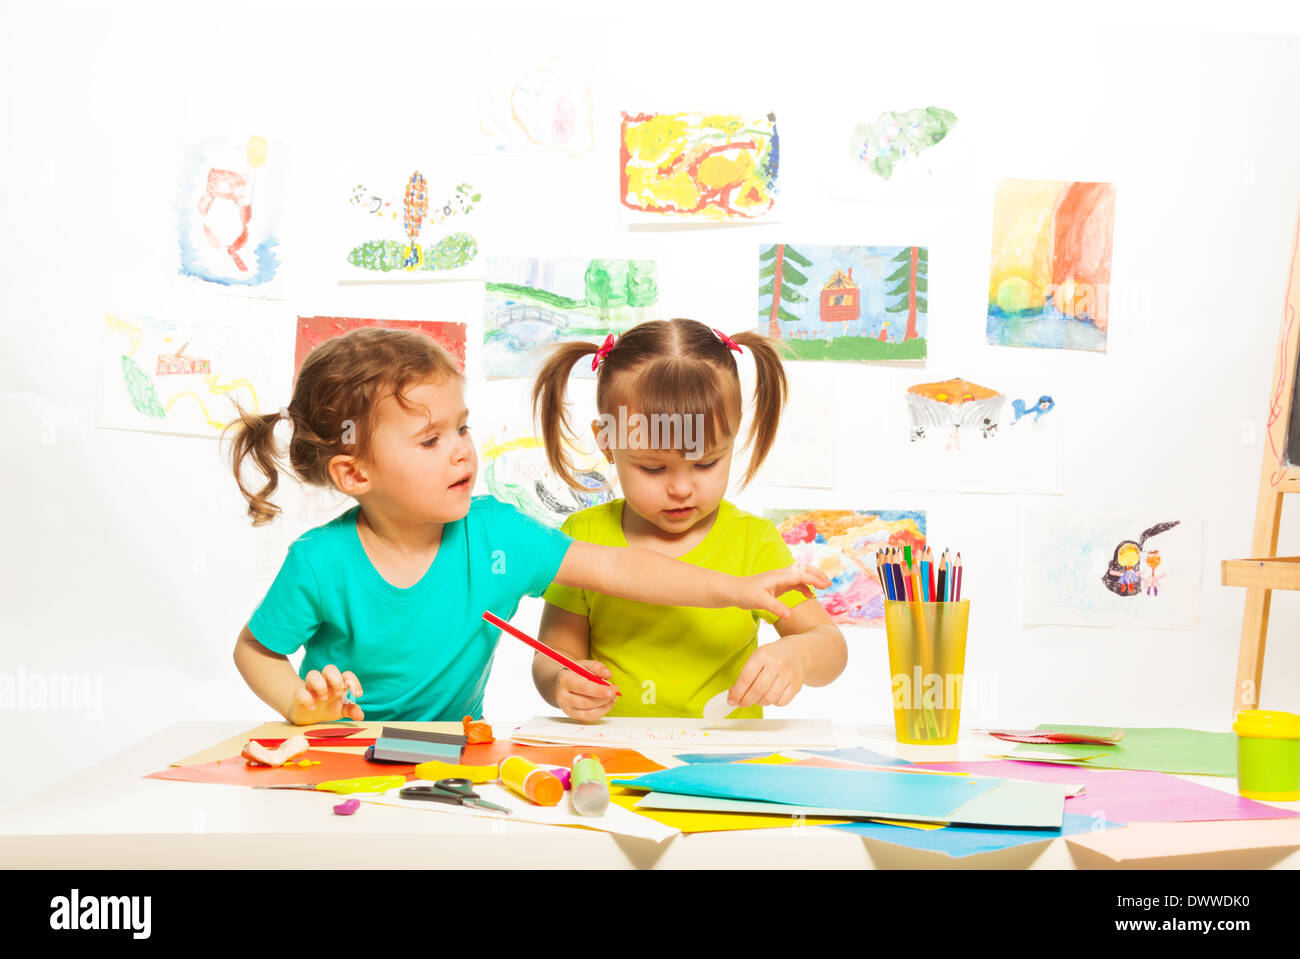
531 781
590 788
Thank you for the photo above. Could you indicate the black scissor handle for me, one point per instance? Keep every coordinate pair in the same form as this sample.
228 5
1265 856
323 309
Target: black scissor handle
431 793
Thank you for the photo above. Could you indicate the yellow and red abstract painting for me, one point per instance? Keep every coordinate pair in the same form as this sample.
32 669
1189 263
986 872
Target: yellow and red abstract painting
701 166
1049 280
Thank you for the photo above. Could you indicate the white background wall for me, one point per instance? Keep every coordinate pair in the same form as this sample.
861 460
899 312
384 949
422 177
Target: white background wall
128 557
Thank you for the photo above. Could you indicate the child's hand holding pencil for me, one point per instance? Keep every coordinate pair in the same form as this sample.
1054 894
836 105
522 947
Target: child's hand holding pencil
582 699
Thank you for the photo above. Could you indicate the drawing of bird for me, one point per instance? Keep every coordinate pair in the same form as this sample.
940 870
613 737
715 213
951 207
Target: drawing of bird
1040 409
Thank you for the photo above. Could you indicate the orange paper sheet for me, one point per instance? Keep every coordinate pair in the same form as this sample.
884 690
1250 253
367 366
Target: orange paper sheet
614 760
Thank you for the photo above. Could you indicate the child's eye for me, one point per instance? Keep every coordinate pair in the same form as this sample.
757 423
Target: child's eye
430 443
653 472
463 429
707 466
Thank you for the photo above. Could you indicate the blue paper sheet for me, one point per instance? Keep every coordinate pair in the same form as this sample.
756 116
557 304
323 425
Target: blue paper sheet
960 841
858 754
719 757
877 792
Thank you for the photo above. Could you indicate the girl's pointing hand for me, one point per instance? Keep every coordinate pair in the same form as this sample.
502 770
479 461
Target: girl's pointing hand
761 591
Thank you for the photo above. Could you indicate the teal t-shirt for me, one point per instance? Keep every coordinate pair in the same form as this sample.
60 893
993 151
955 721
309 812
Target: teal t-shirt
423 653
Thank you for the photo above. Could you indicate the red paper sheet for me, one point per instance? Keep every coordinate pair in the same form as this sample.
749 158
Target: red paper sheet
237 772
328 742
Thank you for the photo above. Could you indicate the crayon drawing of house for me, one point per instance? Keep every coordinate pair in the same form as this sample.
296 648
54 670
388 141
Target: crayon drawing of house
841 298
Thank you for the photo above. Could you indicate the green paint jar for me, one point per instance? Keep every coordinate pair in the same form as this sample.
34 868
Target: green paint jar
1268 755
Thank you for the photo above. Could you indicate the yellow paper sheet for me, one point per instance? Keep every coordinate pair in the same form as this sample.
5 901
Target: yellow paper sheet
689 822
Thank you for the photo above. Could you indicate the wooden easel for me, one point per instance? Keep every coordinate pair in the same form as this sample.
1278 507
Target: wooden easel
1266 571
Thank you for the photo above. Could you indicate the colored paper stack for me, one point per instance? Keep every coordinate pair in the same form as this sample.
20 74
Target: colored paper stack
414 746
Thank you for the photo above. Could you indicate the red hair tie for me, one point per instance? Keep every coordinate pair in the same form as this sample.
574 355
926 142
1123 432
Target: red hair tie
727 341
603 351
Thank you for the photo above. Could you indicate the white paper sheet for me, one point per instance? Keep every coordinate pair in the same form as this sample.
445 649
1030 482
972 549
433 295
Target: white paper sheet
982 436
716 709
1091 568
615 820
677 733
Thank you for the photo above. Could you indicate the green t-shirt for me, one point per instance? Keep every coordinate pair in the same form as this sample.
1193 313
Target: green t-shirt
671 660
422 653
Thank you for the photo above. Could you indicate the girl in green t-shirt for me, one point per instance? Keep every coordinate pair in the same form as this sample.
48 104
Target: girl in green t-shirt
669 403
391 594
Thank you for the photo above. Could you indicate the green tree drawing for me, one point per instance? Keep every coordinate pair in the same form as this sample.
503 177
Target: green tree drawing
782 278
642 290
911 279
140 390
607 283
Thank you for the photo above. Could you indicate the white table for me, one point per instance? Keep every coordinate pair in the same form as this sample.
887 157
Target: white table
110 817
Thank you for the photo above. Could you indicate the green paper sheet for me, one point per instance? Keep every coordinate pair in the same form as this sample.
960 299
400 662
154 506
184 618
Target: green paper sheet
1191 752
1012 804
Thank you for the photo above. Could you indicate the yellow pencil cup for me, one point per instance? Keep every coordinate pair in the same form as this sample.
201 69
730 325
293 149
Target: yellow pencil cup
1268 755
927 662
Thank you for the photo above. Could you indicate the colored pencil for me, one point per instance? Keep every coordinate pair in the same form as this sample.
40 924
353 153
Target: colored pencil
900 591
925 579
956 590
545 650
929 573
943 578
923 640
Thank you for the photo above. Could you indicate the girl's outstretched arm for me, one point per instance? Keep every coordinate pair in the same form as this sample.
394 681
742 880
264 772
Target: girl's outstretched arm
579 698
318 698
649 577
810 652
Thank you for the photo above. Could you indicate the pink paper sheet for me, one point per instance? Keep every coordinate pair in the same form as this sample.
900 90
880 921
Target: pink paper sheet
1157 840
1123 795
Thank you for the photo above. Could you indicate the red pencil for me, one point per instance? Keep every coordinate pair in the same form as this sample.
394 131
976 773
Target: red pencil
546 650
956 590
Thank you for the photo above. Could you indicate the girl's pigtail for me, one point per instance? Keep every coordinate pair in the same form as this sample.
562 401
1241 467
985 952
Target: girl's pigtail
550 410
254 435
770 392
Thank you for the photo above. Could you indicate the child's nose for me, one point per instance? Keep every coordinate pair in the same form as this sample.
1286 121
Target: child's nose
679 484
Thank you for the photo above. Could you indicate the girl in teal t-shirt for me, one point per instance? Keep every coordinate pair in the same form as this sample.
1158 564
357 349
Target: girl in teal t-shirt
388 598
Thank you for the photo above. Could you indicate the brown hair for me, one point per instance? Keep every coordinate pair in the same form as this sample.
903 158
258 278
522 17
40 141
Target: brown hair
333 411
666 367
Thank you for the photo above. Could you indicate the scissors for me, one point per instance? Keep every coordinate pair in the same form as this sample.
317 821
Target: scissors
459 792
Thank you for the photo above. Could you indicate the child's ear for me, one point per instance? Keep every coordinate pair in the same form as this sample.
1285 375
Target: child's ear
602 439
348 476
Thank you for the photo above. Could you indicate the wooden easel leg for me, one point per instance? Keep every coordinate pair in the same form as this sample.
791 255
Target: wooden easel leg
1254 624
1250 658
